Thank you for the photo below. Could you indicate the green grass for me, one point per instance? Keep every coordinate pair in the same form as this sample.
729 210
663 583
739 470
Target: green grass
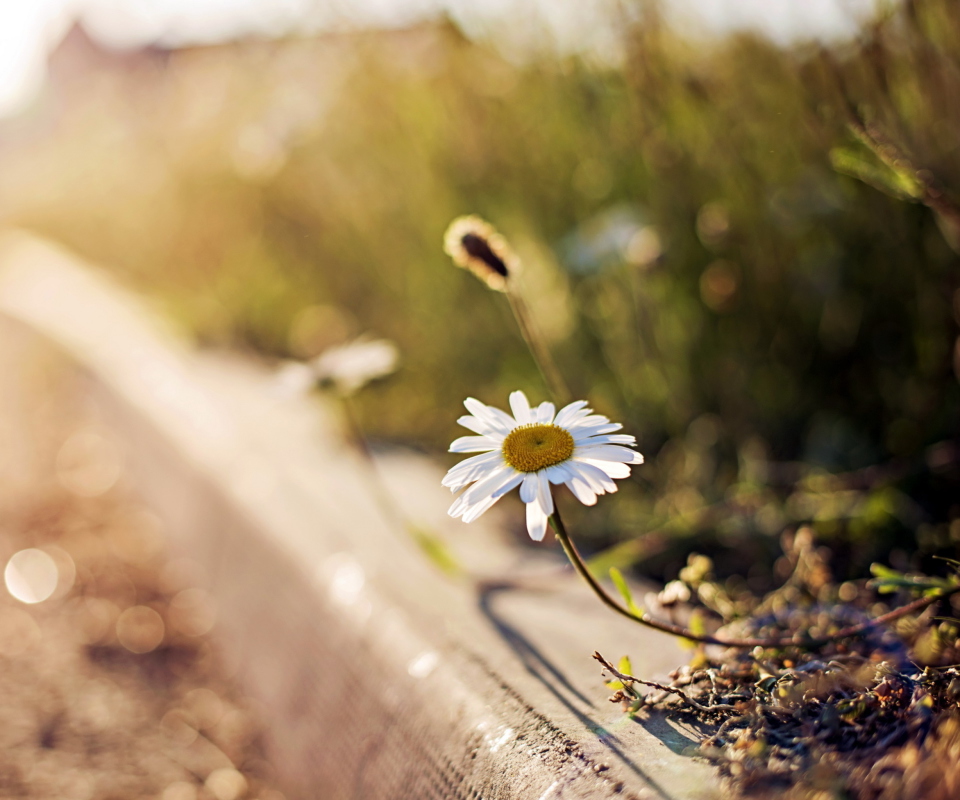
278 197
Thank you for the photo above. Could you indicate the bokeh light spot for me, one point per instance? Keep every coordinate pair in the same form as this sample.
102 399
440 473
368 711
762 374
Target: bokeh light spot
226 784
423 664
140 629
31 576
348 580
179 727
179 790
204 705
192 612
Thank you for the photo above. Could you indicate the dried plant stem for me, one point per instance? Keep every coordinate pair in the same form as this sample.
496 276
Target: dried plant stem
628 680
538 347
806 642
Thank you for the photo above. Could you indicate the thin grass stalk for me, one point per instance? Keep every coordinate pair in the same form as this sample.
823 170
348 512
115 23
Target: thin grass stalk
537 346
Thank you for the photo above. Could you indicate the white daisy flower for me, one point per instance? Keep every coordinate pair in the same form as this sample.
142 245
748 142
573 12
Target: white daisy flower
532 449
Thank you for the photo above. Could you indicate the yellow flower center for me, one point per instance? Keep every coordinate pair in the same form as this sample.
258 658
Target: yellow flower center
531 448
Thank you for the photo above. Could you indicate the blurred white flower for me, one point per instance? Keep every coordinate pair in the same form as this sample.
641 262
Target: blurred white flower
346 368
353 365
295 377
532 449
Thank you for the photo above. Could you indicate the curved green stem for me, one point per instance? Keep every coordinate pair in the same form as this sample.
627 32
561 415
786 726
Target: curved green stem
678 630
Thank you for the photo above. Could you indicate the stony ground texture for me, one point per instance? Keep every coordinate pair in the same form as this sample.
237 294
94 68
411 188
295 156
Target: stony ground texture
114 686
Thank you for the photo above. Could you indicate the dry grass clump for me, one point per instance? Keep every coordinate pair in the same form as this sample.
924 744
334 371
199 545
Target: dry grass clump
873 718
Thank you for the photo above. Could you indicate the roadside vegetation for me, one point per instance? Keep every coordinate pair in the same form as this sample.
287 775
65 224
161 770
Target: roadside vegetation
746 253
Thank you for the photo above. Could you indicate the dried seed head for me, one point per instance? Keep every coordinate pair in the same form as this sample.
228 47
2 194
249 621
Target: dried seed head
475 245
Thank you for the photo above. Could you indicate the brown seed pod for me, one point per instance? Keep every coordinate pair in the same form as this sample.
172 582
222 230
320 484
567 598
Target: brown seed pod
475 245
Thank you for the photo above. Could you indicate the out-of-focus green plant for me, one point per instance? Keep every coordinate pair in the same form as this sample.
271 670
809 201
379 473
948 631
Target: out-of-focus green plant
701 265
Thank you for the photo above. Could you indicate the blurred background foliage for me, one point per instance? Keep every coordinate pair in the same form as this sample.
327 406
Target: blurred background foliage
741 250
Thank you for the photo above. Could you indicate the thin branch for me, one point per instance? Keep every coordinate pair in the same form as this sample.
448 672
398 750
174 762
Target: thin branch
730 722
626 679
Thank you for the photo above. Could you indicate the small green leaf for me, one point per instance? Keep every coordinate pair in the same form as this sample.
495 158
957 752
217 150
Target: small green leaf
620 582
697 623
864 165
624 666
697 626
766 684
880 571
436 550
883 588
887 581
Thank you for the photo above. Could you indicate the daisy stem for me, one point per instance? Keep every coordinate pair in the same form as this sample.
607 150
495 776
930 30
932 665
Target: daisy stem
584 571
537 346
798 640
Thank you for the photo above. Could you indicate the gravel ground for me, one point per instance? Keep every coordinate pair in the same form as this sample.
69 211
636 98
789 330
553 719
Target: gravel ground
113 686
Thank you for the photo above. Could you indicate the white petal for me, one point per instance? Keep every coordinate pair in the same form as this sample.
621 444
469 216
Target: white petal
497 419
480 426
478 409
476 510
558 473
459 506
529 487
613 468
470 469
571 413
544 498
581 490
507 422
589 421
470 511
511 484
520 407
545 413
489 485
596 478
482 458
576 417
613 438
582 435
608 452
474 444
536 522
